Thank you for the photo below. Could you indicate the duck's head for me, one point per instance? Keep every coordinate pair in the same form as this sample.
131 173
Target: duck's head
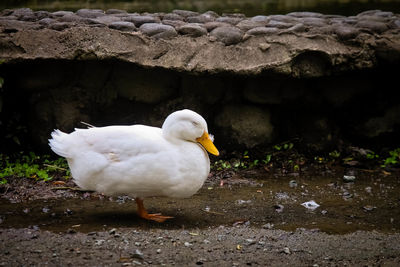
190 126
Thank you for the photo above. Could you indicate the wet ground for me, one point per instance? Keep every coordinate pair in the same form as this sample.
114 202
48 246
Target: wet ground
239 221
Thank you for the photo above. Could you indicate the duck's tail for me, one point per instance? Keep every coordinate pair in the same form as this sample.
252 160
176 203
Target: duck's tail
59 143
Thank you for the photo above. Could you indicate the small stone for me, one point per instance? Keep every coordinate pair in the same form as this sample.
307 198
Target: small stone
62 13
268 226
260 18
369 208
279 24
137 254
346 32
172 16
229 20
90 13
247 24
122 26
158 251
200 19
278 208
286 250
311 205
185 13
157 30
349 178
249 241
264 46
140 20
227 35
262 31
241 201
368 189
187 244
374 26
192 29
112 231
115 11
45 209
293 184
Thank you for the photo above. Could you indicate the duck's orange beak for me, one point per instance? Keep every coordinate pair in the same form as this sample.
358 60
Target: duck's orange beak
207 143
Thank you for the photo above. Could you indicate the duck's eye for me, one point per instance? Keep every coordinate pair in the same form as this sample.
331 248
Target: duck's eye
195 123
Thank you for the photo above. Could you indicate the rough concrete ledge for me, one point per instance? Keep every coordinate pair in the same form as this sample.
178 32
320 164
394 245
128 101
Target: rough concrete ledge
299 44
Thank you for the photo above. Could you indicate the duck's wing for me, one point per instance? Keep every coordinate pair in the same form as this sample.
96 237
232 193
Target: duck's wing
89 151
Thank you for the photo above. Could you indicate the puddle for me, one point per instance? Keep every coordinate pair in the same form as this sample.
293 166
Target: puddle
369 203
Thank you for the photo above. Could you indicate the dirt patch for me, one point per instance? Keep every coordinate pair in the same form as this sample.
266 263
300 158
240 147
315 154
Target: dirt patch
234 220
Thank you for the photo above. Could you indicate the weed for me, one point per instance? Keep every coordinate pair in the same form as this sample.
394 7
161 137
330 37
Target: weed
393 159
32 166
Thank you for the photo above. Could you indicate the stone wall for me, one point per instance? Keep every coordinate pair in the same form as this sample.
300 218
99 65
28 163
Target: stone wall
321 79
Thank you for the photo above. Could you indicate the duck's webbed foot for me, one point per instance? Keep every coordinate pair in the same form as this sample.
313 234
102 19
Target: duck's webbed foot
145 215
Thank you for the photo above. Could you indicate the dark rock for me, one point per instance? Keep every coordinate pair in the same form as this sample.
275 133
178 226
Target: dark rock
59 26
140 20
90 13
185 13
346 32
284 18
374 26
42 14
215 24
25 14
192 29
314 22
200 19
62 13
262 31
299 27
247 24
158 30
172 16
173 23
122 26
106 20
116 11
70 17
227 35
262 19
303 14
230 20
279 24
47 21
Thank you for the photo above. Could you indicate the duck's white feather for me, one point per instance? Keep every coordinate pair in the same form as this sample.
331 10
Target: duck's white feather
136 160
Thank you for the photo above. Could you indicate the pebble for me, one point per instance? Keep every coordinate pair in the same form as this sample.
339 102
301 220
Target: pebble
158 30
286 250
311 205
349 178
192 29
122 26
227 35
268 226
279 208
137 254
140 20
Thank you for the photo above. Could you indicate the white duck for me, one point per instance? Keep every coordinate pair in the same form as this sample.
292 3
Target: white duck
138 160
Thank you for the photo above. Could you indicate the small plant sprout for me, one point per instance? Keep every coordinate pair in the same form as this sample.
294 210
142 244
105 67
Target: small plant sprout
393 159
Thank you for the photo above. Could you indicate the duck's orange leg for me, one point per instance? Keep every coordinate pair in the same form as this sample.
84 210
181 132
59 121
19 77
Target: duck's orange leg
143 213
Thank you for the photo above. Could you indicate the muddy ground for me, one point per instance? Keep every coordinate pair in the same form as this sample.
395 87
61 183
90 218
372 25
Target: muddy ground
238 218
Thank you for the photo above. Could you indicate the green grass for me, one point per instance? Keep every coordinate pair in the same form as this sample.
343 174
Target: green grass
32 166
